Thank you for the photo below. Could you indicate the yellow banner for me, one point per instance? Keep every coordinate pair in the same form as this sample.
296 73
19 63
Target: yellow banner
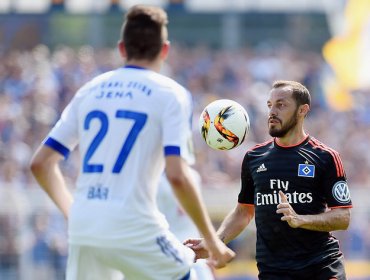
349 54
349 57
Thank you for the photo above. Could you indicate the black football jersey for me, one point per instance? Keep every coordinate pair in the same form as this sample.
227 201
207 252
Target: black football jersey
312 177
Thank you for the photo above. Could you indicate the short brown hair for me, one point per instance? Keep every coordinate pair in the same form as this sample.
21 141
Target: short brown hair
300 93
144 32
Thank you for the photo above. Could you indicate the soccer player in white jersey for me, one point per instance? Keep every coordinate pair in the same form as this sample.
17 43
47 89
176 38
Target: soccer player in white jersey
179 222
129 125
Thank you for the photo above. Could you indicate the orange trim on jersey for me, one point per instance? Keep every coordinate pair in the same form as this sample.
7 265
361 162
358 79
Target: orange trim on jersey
260 145
334 154
331 152
338 162
345 206
293 145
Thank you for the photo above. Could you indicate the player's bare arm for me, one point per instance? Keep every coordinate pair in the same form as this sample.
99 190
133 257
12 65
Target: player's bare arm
45 168
235 222
190 199
333 219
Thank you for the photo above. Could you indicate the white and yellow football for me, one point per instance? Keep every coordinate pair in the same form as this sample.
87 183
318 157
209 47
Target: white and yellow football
224 124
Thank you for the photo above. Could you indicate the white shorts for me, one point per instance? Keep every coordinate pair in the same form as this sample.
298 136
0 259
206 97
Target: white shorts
162 259
203 271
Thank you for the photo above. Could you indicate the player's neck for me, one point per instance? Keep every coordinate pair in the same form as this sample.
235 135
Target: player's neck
292 138
154 65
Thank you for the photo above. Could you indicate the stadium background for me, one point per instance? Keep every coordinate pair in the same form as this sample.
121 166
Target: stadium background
220 49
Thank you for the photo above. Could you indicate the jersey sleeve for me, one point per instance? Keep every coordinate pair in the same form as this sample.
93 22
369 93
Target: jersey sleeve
335 183
176 120
63 137
246 195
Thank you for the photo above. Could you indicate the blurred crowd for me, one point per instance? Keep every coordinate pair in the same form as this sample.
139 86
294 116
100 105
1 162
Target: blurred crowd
35 86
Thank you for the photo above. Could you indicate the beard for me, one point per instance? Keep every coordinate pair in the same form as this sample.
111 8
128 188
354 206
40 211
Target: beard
285 127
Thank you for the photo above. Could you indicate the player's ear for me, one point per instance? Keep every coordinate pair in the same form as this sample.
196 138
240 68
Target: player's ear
122 49
165 49
304 109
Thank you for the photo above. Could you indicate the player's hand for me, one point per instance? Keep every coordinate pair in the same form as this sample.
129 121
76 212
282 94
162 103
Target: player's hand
198 246
289 215
219 253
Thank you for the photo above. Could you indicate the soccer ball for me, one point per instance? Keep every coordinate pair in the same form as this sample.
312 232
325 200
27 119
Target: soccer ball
224 124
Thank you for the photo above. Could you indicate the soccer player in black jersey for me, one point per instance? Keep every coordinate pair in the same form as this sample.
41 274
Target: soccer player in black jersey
296 188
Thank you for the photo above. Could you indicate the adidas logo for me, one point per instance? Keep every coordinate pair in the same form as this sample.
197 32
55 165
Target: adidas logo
261 168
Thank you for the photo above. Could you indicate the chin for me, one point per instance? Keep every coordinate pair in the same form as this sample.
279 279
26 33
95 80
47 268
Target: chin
273 129
272 132
276 133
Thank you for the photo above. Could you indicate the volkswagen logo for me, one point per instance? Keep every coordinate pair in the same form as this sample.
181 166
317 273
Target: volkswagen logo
341 192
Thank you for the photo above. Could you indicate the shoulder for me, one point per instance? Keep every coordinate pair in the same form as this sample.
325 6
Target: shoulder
170 86
165 81
327 154
261 147
92 85
172 93
174 87
257 150
322 148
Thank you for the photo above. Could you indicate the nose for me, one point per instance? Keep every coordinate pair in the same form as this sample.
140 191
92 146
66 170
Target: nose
272 112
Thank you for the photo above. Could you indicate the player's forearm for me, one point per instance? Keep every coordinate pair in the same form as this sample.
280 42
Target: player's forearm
191 202
184 187
52 182
234 223
45 168
335 219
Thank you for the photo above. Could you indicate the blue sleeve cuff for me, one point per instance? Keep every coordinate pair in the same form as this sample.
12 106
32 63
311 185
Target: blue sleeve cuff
55 145
172 151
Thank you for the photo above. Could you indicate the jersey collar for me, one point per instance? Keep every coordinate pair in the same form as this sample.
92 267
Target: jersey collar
130 66
304 141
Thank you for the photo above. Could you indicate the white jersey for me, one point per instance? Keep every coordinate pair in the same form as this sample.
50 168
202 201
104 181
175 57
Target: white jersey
125 122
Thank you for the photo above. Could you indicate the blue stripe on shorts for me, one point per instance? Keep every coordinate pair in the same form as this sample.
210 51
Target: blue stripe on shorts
186 277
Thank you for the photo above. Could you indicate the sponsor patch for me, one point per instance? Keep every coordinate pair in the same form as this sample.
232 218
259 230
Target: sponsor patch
306 170
341 192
